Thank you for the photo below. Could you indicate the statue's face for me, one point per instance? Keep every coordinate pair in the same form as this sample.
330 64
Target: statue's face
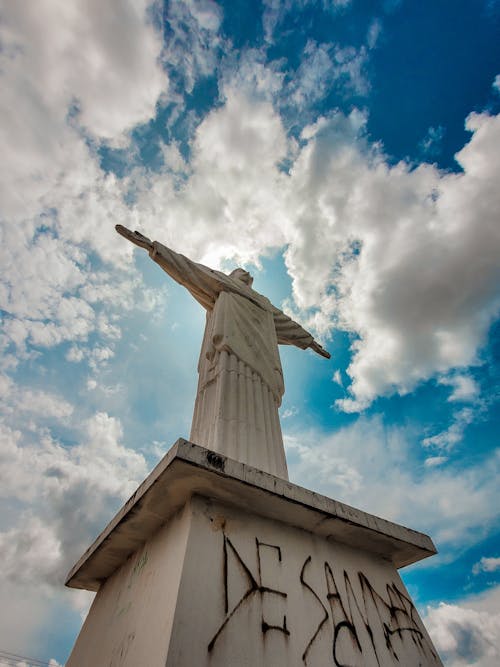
244 276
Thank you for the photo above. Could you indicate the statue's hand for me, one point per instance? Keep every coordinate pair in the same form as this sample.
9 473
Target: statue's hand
320 350
135 237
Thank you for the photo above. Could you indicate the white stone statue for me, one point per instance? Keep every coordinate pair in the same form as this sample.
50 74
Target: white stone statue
240 376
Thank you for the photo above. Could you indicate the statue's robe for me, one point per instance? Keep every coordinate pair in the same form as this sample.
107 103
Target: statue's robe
240 376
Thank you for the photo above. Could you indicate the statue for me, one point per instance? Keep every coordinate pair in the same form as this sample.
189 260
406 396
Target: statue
240 377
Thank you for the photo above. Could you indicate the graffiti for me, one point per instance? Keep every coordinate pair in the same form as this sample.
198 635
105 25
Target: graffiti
360 624
255 586
325 617
379 617
342 623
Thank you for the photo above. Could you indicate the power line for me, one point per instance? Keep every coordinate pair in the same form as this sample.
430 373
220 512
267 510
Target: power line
12 659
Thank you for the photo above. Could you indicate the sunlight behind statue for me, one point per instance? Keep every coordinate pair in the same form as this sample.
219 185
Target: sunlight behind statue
240 376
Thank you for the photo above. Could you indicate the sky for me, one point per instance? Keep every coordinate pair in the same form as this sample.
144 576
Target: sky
347 153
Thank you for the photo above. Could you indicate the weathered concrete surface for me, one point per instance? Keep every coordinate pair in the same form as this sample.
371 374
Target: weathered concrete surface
130 621
188 469
212 563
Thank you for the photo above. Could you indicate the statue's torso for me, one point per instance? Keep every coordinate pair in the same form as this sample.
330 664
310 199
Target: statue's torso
240 327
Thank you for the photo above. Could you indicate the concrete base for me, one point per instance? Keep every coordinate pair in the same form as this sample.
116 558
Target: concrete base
213 563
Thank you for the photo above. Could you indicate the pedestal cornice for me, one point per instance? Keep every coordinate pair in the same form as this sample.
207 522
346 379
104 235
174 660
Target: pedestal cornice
188 469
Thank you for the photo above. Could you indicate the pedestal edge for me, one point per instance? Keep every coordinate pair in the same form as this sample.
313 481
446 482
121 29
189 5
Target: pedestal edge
189 469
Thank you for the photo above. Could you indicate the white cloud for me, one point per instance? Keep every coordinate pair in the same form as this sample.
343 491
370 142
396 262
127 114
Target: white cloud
31 551
249 74
374 32
193 42
430 146
467 633
486 565
57 204
388 243
17 400
233 204
389 246
383 476
275 12
433 461
99 356
337 378
55 500
97 55
74 354
324 67
496 83
79 485
465 388
398 254
447 439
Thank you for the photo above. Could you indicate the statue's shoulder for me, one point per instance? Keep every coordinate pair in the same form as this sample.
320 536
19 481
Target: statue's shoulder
255 297
261 298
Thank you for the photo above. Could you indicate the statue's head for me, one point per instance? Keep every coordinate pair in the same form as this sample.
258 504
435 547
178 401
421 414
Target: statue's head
242 275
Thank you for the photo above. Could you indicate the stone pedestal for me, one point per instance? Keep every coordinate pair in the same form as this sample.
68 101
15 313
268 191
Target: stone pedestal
214 563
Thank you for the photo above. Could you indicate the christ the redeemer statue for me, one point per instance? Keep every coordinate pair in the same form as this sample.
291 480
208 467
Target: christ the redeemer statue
240 376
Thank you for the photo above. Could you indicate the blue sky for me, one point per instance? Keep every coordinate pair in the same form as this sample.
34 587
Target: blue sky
348 154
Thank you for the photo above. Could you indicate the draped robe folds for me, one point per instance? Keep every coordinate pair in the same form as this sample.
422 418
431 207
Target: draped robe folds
240 382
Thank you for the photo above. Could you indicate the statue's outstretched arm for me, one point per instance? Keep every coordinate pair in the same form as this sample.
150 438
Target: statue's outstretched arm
320 350
290 332
135 237
203 283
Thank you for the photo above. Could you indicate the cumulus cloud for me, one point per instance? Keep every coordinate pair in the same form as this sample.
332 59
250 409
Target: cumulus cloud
79 485
486 565
96 56
62 494
430 146
64 69
49 295
388 243
446 440
55 498
252 73
30 550
337 378
433 461
17 399
467 633
325 67
374 467
63 66
233 203
405 259
465 388
374 31
275 12
389 246
193 44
